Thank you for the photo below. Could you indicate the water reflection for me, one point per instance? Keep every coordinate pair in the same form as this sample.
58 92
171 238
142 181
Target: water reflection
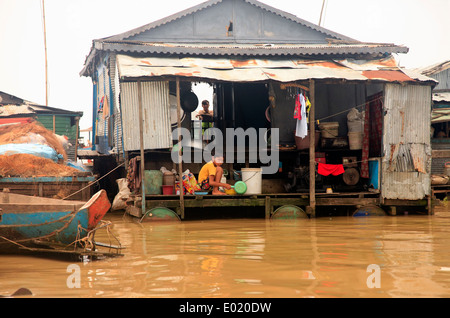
323 257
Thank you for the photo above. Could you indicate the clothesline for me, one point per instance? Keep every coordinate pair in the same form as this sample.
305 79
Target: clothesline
347 110
353 162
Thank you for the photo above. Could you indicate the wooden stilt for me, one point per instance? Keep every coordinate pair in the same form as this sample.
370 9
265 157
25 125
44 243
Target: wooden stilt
312 151
180 163
141 136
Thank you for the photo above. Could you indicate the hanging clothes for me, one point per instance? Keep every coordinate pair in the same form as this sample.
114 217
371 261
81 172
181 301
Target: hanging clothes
308 108
301 129
327 169
373 125
297 108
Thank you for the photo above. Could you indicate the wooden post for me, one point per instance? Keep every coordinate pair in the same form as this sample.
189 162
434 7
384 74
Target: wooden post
141 136
312 150
45 55
77 132
180 162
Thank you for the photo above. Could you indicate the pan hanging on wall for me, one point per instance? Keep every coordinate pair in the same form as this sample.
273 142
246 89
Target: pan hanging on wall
173 111
189 101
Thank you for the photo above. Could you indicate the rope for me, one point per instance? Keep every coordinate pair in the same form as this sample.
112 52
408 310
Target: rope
90 185
13 242
55 232
39 224
347 110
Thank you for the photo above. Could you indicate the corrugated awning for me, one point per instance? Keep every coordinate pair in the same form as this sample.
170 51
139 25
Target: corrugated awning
441 97
254 70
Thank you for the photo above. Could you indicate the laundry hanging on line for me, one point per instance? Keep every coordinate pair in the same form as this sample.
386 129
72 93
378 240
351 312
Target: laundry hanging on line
327 169
300 113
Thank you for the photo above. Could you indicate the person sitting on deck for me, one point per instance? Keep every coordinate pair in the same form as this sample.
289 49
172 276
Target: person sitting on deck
211 174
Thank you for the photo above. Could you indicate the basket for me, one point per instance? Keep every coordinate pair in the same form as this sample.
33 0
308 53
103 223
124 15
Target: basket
329 130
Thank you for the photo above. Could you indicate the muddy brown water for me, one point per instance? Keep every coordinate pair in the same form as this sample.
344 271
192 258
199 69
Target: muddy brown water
378 257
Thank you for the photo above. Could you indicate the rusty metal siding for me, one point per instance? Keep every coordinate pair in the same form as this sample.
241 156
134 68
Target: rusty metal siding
156 112
406 165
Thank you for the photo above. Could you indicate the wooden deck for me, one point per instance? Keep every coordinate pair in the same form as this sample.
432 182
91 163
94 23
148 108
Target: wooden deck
269 201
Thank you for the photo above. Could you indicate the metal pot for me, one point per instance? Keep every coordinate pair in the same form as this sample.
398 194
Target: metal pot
189 101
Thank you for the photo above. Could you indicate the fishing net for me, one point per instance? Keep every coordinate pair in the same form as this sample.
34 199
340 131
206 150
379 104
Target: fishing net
31 133
26 165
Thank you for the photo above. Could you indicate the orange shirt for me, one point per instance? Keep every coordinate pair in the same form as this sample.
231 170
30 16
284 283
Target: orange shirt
207 170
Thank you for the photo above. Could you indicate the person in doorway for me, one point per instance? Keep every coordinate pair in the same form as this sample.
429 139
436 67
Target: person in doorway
210 176
206 116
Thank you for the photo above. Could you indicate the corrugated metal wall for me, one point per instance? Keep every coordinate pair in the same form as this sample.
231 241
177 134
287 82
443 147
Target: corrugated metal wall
103 113
443 78
117 116
156 113
406 163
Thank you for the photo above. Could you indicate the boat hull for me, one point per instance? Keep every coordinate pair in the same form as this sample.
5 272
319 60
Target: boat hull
24 219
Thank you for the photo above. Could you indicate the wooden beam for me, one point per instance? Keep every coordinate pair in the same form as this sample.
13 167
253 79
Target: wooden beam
312 151
180 162
286 85
440 154
141 136
346 201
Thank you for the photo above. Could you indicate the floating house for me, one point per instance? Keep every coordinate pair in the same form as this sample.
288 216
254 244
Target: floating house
258 60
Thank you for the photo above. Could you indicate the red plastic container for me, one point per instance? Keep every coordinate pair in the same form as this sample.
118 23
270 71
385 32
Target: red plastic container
167 189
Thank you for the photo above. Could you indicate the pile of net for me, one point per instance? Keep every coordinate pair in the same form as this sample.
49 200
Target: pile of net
27 163
30 133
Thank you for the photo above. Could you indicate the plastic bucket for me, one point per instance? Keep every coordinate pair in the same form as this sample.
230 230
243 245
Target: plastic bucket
167 189
329 130
253 179
355 140
355 126
169 179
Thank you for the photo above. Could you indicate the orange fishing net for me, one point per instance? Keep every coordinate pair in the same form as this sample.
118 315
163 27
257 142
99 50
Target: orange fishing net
26 165
12 134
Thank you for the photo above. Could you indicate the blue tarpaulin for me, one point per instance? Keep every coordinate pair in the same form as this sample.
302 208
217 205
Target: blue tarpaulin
38 150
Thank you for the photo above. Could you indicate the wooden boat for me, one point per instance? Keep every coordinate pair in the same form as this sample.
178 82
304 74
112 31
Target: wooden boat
26 220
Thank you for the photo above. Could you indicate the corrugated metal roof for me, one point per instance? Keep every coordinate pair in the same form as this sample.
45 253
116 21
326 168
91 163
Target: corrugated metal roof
338 43
221 49
13 105
204 5
435 68
11 110
282 70
440 115
441 97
